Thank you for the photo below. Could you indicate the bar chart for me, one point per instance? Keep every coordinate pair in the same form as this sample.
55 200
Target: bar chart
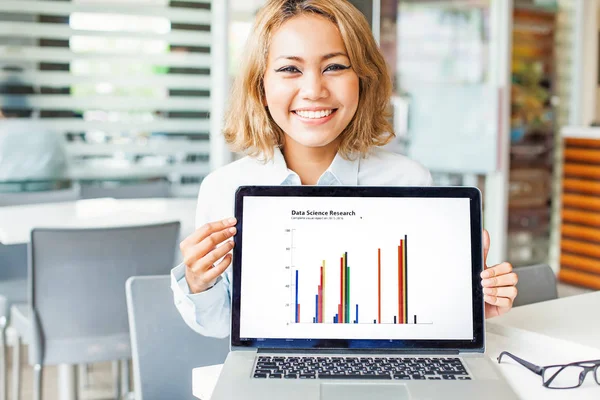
345 310
356 268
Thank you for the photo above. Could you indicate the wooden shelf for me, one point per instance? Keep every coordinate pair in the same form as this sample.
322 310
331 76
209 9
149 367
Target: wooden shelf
580 226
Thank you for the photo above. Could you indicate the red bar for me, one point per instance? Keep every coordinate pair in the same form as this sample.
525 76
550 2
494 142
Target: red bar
379 285
321 290
341 317
339 313
298 313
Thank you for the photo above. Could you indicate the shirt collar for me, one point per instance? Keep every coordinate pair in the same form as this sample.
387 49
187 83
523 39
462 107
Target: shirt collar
340 172
345 171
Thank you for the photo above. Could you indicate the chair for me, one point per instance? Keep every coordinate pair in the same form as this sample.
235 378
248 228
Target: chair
164 348
13 264
138 190
47 196
13 289
536 283
77 312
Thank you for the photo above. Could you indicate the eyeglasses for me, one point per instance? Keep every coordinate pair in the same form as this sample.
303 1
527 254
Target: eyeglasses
565 376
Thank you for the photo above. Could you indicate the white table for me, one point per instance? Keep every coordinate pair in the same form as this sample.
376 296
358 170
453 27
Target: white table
575 319
557 331
16 222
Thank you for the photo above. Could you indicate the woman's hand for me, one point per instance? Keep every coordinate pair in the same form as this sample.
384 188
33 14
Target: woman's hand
499 284
202 249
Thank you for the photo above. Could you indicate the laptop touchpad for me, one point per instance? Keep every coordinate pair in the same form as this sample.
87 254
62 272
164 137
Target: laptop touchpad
359 390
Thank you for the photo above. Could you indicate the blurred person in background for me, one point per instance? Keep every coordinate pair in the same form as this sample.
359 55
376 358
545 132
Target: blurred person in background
28 152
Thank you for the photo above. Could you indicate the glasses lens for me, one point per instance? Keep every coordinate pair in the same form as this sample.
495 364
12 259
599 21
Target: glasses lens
562 377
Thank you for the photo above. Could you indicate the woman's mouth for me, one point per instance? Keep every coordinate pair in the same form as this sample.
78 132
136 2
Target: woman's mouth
315 115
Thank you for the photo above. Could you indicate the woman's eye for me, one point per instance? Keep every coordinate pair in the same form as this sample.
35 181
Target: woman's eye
289 69
336 67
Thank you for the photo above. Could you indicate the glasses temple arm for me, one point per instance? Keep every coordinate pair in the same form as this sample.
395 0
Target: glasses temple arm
532 367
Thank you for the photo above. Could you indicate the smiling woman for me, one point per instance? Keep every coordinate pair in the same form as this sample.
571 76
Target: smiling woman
308 108
321 63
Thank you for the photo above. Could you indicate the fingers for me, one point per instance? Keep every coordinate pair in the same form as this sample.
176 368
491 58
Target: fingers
506 291
206 230
500 269
486 246
502 302
203 272
202 249
499 285
502 280
207 262
218 269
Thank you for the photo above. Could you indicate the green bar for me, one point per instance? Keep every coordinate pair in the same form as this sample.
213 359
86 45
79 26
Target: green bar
348 294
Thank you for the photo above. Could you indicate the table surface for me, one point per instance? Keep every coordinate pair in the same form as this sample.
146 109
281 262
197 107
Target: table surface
557 331
575 319
16 222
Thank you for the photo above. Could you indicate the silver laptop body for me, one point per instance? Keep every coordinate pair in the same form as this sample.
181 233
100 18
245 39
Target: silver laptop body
376 317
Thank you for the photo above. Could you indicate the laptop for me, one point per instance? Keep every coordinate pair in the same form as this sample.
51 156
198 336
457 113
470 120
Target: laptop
358 293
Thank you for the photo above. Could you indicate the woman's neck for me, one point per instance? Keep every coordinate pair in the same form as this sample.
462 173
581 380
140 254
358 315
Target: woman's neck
309 162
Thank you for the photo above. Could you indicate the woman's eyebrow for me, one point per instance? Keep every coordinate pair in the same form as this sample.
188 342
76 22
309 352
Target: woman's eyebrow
325 57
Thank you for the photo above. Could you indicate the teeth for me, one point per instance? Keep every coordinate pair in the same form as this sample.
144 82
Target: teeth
314 114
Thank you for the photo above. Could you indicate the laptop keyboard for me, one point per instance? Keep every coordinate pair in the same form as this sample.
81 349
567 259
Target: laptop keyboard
392 368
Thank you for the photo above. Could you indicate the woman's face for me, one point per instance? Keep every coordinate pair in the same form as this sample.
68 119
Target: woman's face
311 89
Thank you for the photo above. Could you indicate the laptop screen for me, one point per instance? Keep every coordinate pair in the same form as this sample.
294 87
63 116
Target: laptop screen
374 270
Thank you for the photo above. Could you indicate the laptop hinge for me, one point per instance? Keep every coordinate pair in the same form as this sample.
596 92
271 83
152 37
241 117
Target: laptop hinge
361 351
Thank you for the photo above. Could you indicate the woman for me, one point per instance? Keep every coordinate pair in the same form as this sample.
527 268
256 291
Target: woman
309 107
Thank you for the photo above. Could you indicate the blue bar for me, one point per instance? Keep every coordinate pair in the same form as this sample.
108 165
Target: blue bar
317 308
313 320
297 296
394 319
356 322
334 317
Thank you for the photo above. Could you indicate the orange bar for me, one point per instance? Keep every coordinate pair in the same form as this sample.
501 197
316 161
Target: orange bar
581 171
584 155
588 218
579 142
321 291
581 201
579 278
579 232
586 264
400 284
379 285
404 283
581 248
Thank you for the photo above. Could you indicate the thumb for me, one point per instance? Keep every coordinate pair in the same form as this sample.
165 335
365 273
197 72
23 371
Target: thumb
486 246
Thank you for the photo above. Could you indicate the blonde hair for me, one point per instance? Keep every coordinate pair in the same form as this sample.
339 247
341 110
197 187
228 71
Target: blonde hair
249 127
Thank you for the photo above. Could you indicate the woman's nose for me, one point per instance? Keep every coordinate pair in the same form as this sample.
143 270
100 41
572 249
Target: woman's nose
313 86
